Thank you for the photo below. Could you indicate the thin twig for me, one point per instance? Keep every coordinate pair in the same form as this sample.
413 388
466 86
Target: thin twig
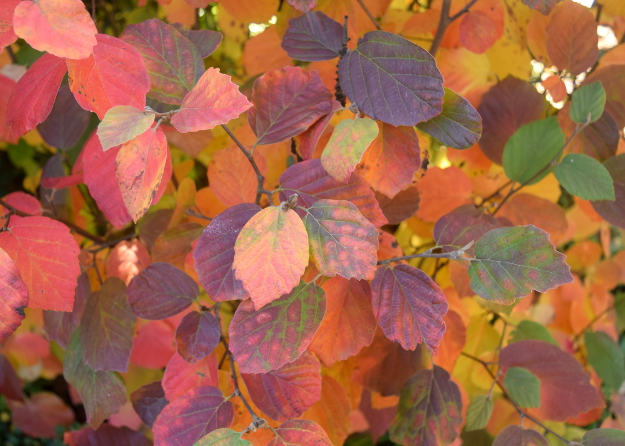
494 194
458 254
445 21
463 10
596 318
110 243
366 10
97 271
93 10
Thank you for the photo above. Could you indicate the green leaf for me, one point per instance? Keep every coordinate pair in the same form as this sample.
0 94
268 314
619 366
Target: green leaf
585 177
121 124
529 330
459 125
523 387
588 99
606 358
223 437
531 149
478 413
604 437
510 262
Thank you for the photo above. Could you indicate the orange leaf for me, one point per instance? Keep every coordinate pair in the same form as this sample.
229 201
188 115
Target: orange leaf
556 88
331 412
442 191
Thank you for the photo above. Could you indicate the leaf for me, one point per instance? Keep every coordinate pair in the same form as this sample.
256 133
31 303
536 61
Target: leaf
348 143
523 387
409 306
223 437
559 372
428 411
401 207
213 101
310 181
286 102
517 436
606 357
349 323
588 100
106 435
181 376
510 262
543 6
197 336
288 391
392 80
46 255
585 177
477 32
530 330
278 333
191 416
161 291
173 245
441 191
113 75
139 168
66 122
205 40
13 295
301 433
40 414
556 87
478 413
529 151
458 126
10 384
121 124
614 211
603 437
148 401
173 63
270 254
303 5
464 225
60 27
528 209
572 38
102 393
613 85
32 98
342 241
313 37
7 34
332 411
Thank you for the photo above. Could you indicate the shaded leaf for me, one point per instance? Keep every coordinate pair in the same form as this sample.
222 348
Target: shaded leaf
289 391
13 296
603 437
161 291
614 211
181 376
279 332
300 432
510 262
588 99
60 27
598 139
32 98
606 357
148 401
121 124
523 387
105 435
559 372
7 34
66 122
191 416
313 37
478 413
173 245
409 306
205 40
543 6
612 83
41 414
113 75
530 330
391 79
458 126
279 238
584 177
303 5
286 102
517 436
197 336
10 385
429 410
464 225
213 100
173 63
401 207
223 437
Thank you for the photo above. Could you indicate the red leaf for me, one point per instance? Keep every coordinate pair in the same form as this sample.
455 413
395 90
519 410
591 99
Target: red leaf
278 333
7 86
181 376
214 253
10 385
478 32
106 435
148 401
7 34
409 306
107 327
113 75
289 391
161 291
396 149
33 96
23 202
441 191
173 63
349 323
46 255
59 325
301 433
139 168
191 416
41 414
517 436
311 182
213 101
153 345
558 372
197 336
13 296
279 238
308 139
60 27
287 102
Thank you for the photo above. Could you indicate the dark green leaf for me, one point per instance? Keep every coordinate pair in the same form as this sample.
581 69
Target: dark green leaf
585 177
604 437
606 357
588 99
523 387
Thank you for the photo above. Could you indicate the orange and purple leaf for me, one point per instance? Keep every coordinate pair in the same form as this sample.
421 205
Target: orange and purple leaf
462 226
121 124
148 401
13 295
307 141
66 122
313 37
197 336
301 433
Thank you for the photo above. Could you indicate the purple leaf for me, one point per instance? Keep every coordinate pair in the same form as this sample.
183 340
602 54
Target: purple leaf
206 41
313 37
66 122
197 336
10 385
465 224
148 401
614 211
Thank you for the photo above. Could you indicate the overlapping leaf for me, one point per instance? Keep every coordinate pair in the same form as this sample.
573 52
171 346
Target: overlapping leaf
66 122
585 177
40 414
303 5
603 437
409 306
606 357
148 401
402 206
518 436
197 336
278 333
7 34
391 79
442 191
313 37
13 295
510 262
10 384
205 40
300 432
614 211
59 325
478 32
223 437
106 435
121 124
523 387
307 141
588 100
479 412
270 254
466 224
173 245
287 102
113 75
543 6
181 376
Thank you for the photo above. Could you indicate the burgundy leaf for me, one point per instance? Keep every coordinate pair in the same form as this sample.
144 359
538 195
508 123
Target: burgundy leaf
308 140
148 401
517 436
464 225
13 296
614 211
313 37
402 206
10 385
205 40
67 121
197 336
106 435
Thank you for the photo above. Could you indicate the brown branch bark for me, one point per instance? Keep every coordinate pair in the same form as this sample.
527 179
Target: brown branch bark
445 21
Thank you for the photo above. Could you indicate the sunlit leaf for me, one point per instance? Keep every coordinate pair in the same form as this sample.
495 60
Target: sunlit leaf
7 34
585 177
510 262
223 437
312 37
518 436
479 412
606 357
477 31
523 387
332 411
66 122
259 338
441 191
121 124
13 295
300 432
614 211
603 437
197 336
148 401
588 100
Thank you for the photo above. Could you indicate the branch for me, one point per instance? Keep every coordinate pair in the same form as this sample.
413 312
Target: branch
366 10
453 255
445 21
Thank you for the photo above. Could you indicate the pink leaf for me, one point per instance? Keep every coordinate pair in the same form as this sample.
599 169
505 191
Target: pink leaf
41 414
7 34
301 433
181 376
59 325
13 296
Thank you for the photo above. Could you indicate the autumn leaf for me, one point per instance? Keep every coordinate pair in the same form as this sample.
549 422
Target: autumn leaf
613 211
66 122
313 37
205 40
7 34
14 295
301 432
441 191
148 401
223 437
104 435
181 376
517 435
543 6
464 225
197 336
121 124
